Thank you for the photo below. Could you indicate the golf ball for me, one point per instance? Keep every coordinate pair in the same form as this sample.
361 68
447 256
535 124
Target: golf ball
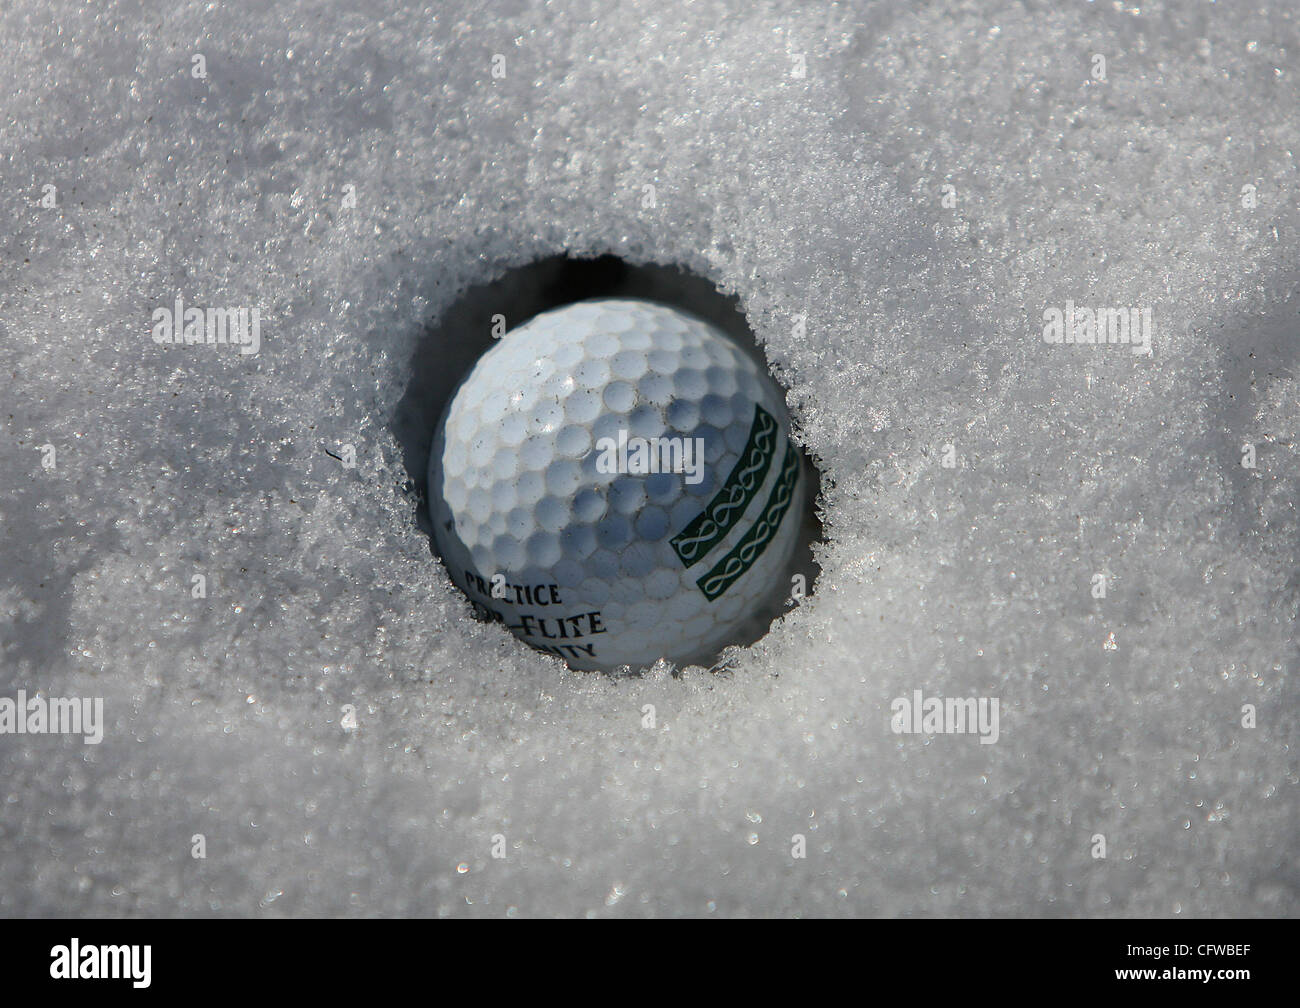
614 481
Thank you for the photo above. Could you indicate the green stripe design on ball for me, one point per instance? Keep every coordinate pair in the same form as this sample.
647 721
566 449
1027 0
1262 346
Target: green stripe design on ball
751 546
711 525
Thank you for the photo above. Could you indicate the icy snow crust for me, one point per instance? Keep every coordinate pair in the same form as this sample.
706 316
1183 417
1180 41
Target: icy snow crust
819 195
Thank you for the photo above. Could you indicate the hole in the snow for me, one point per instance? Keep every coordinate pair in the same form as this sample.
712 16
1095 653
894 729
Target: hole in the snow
449 348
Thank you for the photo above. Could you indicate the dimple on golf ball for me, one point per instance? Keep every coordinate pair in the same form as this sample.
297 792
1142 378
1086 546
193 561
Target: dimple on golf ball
614 481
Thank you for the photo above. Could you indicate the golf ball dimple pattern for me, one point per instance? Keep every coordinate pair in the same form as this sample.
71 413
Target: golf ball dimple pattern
593 559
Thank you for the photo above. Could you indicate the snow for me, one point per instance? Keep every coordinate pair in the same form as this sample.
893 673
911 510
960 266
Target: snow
900 325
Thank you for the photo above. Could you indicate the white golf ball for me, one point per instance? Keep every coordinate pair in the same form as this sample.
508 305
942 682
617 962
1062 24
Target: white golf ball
614 482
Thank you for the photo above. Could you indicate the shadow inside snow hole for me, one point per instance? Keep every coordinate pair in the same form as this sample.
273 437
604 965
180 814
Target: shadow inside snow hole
449 347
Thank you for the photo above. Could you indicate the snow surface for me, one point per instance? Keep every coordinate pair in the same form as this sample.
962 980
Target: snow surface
819 195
